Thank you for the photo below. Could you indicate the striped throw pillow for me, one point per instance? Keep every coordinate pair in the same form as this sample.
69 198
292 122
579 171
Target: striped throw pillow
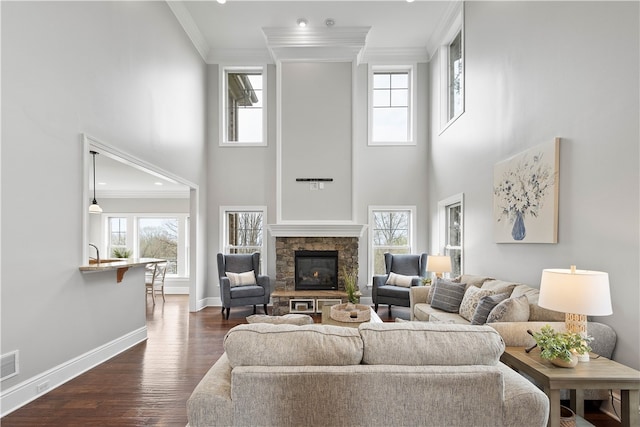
447 295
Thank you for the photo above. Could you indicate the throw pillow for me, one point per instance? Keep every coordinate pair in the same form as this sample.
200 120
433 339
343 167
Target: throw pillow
247 278
399 280
510 310
485 305
447 295
287 319
470 301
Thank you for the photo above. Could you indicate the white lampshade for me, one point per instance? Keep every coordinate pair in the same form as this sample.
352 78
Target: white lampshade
439 263
95 208
575 291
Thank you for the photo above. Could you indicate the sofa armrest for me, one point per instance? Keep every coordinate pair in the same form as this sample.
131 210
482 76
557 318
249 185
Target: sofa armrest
210 403
417 295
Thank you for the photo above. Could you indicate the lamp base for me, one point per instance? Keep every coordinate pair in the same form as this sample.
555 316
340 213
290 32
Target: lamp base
577 324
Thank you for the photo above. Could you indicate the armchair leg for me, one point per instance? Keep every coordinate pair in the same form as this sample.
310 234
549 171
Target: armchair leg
223 310
265 309
389 311
254 309
228 311
375 308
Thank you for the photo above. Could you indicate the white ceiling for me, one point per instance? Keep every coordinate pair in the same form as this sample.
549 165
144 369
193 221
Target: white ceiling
217 29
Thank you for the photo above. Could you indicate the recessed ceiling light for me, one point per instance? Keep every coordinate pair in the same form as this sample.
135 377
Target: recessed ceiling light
302 22
158 183
329 22
222 1
102 183
410 1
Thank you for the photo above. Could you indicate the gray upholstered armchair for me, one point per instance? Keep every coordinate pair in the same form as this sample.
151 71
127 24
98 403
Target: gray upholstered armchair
238 286
394 290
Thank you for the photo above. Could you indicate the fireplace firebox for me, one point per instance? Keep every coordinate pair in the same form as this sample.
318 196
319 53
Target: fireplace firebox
316 270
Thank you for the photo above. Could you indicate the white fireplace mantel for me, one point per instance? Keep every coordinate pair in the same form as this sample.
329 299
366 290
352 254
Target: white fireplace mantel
317 230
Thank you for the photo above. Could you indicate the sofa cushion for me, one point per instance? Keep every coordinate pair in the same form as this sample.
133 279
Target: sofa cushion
510 310
426 343
444 317
447 295
264 344
499 286
532 293
393 291
537 313
247 291
485 305
470 301
399 280
472 279
287 319
247 278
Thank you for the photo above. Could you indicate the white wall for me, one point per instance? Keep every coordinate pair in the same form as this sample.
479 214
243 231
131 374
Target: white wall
534 71
125 73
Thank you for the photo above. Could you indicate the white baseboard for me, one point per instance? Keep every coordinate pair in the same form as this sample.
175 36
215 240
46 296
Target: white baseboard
32 388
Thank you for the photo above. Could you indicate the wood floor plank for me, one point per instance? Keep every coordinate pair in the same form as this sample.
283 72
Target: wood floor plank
149 384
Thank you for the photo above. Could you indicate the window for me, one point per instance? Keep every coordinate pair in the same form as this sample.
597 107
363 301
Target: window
392 231
452 72
243 230
152 236
391 112
451 220
117 235
243 106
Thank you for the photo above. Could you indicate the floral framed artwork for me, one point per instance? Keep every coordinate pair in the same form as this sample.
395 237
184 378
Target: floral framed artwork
525 196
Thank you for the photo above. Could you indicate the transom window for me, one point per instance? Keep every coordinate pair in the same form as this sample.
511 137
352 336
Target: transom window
451 215
391 109
452 72
243 230
392 231
243 112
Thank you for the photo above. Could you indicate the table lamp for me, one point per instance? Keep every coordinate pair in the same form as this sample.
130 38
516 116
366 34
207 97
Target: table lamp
439 264
577 293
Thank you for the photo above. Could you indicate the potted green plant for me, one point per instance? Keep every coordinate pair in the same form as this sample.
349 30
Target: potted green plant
561 348
121 253
351 286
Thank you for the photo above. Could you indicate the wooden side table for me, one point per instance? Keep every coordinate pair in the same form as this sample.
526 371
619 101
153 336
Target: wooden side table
600 373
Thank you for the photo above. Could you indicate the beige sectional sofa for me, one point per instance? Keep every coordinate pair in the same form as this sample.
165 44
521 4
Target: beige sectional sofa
411 373
514 333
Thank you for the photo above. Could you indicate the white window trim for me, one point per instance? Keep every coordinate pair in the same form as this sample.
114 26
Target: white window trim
442 225
223 228
412 131
133 240
412 229
457 26
222 86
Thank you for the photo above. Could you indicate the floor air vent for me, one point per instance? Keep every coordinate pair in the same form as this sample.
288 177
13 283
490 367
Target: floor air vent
9 365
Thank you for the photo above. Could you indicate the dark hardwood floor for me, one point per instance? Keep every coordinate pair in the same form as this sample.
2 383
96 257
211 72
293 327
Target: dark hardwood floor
149 384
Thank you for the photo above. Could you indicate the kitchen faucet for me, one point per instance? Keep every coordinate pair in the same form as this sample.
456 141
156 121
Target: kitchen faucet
97 253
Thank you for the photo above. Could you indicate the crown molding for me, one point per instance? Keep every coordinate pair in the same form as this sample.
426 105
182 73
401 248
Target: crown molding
395 55
188 24
325 44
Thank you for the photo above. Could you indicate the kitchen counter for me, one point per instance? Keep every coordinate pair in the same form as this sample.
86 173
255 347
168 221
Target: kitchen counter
121 265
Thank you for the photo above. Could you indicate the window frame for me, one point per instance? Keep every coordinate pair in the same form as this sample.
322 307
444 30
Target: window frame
411 209
133 239
224 243
223 87
457 27
444 207
411 69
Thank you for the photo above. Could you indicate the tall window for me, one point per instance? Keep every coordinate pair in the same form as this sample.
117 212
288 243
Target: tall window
455 76
391 231
451 231
391 112
243 112
158 238
243 230
452 72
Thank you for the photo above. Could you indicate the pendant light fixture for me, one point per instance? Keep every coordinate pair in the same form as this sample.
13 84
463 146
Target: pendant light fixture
94 208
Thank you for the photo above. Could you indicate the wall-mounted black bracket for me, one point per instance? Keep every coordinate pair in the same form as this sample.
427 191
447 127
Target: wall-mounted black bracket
314 179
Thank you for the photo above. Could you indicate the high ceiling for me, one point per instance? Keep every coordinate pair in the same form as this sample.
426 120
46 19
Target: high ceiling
238 24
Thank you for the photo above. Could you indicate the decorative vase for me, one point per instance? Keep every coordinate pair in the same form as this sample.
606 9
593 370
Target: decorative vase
563 363
518 232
